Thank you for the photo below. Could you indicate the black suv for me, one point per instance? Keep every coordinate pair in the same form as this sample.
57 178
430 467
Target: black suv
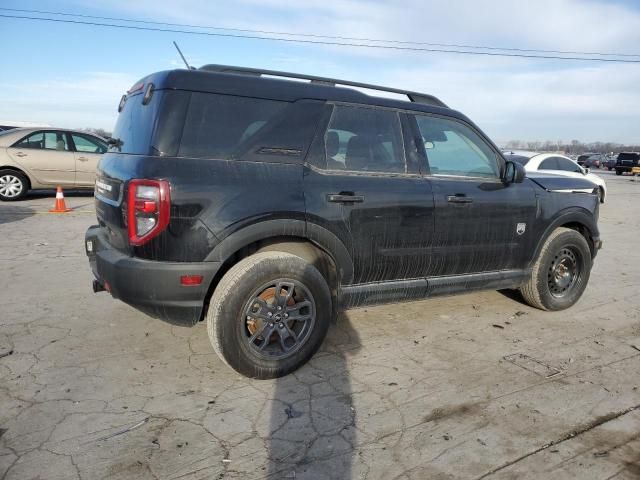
266 205
626 162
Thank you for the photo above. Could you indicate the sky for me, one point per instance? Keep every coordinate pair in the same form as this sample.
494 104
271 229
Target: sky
74 75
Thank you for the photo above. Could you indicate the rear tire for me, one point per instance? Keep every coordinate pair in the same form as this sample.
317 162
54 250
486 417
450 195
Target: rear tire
251 322
561 272
14 185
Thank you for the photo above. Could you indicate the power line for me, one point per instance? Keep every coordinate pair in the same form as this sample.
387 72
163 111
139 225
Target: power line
318 42
310 35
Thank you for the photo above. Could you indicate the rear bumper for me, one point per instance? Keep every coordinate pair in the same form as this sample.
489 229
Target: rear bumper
150 286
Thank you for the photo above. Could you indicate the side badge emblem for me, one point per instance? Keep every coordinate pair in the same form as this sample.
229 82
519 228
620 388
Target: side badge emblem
520 228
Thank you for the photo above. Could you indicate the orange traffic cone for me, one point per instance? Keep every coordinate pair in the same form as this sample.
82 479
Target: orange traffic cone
60 206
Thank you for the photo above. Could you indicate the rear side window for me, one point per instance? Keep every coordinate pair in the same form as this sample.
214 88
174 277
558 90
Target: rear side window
45 140
364 139
223 126
550 163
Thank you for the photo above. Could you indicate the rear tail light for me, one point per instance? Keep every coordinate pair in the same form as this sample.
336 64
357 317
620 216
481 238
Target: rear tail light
148 209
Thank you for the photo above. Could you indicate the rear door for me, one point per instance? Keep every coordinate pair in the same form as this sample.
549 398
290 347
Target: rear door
47 155
361 189
481 224
87 153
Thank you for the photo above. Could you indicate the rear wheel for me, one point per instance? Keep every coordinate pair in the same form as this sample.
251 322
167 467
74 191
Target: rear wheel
269 314
561 272
13 185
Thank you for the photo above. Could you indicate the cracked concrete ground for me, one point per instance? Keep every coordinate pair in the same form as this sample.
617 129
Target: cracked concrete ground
91 388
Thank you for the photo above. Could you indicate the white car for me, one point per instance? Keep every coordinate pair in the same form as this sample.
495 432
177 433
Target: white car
556 164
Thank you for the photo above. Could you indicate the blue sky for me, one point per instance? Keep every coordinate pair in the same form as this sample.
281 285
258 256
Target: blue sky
73 75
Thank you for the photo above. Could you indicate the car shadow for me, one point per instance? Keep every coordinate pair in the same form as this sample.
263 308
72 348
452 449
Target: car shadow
312 425
13 213
33 194
514 295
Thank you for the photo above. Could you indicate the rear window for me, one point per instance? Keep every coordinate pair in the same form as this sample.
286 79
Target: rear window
629 156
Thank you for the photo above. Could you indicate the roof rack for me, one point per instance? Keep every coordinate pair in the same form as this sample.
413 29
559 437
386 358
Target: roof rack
257 72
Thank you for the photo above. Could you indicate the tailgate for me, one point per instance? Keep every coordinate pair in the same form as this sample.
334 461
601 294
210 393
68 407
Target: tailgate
109 199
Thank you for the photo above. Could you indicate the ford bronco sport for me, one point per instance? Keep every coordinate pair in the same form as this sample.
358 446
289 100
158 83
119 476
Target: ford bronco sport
265 205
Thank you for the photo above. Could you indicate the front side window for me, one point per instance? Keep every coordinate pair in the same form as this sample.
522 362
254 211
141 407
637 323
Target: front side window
87 144
452 148
567 165
364 139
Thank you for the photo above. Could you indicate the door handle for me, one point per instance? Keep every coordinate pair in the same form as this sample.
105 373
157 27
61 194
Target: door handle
345 198
459 198
20 154
83 159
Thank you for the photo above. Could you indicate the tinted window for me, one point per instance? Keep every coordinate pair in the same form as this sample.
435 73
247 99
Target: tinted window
135 124
628 156
364 139
223 126
88 144
550 163
45 140
454 149
567 165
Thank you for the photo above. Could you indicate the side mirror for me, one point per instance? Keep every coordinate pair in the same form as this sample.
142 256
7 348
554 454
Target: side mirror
513 173
587 170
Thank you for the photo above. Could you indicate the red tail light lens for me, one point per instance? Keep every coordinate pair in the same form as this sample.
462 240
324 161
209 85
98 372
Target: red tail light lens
148 209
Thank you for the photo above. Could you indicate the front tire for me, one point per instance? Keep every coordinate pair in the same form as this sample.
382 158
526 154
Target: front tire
618 172
13 185
269 314
561 272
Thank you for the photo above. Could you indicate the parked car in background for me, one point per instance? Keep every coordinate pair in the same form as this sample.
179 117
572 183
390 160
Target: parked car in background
555 164
611 162
4 128
626 162
591 160
33 158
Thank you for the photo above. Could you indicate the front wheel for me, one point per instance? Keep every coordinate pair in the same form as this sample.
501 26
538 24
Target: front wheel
269 314
561 272
13 185
618 172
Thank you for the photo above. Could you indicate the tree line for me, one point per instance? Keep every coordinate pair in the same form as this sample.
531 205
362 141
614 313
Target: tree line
575 147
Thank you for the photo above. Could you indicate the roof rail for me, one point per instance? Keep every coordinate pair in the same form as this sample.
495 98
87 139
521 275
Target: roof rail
257 72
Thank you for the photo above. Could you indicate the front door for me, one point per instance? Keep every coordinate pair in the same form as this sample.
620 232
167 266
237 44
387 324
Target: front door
87 152
481 223
361 189
47 156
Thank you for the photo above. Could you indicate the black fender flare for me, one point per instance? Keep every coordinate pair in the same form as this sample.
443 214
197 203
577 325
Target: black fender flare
264 230
578 215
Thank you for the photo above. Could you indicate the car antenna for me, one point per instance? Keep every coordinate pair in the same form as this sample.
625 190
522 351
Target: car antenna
181 55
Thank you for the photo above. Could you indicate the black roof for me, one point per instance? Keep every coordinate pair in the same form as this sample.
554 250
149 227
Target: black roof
248 82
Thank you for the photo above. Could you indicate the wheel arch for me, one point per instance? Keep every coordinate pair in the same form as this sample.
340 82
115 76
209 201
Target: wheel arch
19 170
315 244
578 219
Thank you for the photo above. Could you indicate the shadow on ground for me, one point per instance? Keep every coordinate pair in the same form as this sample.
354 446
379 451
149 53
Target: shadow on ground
13 213
313 415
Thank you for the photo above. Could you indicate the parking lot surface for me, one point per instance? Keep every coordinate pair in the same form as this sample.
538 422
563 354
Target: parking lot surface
474 386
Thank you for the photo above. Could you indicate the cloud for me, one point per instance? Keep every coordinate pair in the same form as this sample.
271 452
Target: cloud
89 100
510 97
